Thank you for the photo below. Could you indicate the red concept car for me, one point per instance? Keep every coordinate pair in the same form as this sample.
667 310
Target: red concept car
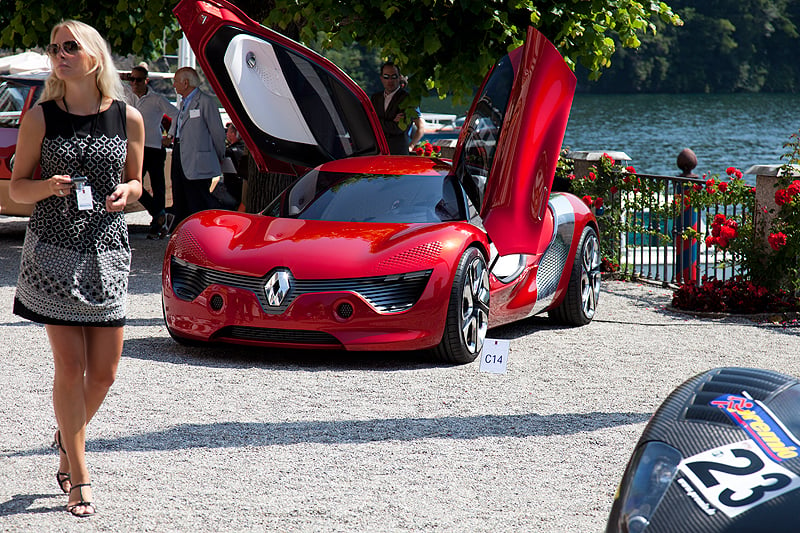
369 251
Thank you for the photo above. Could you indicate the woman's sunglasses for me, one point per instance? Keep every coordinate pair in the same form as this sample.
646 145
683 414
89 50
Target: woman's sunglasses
69 47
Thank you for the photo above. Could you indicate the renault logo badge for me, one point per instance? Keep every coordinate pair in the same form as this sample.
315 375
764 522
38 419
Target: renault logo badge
277 287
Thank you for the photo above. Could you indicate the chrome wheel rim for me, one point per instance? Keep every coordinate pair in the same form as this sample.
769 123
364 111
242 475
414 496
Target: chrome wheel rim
475 306
590 275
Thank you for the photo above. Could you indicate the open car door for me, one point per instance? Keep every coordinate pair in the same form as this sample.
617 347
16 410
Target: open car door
294 108
510 142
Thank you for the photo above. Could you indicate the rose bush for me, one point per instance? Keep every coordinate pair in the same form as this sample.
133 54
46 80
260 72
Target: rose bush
769 271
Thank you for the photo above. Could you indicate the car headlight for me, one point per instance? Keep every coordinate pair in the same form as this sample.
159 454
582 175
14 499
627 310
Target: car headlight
646 481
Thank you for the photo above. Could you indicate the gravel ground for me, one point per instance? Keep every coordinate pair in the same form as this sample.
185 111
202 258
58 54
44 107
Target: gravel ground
194 439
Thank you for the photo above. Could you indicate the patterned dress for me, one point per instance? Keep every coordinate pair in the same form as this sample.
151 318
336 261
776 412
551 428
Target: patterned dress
75 263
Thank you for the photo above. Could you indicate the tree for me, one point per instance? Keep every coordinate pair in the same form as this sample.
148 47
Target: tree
146 29
444 45
448 45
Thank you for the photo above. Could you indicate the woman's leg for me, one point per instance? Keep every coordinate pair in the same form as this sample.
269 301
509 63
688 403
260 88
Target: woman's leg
86 361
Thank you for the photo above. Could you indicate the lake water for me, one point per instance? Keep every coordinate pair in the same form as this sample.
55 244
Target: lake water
737 130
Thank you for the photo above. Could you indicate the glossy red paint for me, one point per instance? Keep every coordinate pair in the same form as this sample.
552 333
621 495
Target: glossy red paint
519 185
203 21
515 212
254 244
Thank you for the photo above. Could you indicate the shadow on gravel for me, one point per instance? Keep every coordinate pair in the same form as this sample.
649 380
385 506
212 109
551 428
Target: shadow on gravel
254 434
165 350
21 504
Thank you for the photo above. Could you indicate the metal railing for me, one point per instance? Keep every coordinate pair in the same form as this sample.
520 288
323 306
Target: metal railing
655 245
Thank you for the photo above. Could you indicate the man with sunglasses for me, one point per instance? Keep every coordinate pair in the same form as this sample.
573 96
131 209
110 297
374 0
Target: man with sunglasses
153 107
388 105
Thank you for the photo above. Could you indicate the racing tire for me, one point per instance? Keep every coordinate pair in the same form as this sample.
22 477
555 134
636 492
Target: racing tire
467 311
580 302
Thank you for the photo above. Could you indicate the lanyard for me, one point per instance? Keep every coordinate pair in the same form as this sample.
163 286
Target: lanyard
89 138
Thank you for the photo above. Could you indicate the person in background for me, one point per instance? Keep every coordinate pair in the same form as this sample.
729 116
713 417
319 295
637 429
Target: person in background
387 104
76 256
237 152
198 148
153 108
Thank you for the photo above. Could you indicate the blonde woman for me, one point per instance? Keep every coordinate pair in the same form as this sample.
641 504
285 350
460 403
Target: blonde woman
76 256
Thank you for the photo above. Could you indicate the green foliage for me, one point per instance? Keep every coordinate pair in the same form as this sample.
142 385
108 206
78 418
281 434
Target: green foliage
620 198
723 46
447 47
129 27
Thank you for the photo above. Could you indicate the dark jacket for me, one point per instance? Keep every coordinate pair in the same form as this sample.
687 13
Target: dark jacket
397 138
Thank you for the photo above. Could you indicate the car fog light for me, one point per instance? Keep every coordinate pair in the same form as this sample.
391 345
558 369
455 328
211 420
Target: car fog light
216 302
344 310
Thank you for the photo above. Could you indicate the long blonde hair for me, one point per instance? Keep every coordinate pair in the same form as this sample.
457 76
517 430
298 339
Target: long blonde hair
106 75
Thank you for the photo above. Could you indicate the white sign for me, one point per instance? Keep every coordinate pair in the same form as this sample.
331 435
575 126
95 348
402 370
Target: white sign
737 477
494 356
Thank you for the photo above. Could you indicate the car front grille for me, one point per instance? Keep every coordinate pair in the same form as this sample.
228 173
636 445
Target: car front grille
284 336
387 294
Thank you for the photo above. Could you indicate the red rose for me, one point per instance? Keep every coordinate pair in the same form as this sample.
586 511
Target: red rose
727 233
587 200
794 188
598 202
731 223
722 242
613 189
631 170
719 218
437 148
697 187
591 176
730 171
710 240
611 159
723 186
782 197
777 240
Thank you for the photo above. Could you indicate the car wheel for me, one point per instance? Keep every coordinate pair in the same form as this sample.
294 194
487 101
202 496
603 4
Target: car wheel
580 302
467 312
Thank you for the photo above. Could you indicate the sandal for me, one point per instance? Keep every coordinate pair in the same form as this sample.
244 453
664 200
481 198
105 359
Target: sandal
71 507
61 477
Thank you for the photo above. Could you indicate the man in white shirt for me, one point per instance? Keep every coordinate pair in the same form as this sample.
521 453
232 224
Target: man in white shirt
153 107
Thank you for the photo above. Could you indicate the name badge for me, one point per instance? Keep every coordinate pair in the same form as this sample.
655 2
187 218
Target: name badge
194 113
84 195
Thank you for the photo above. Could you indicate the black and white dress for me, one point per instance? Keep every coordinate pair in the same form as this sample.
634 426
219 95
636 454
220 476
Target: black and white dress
75 263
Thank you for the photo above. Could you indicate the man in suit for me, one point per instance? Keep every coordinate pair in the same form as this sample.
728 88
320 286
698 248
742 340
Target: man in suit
153 108
198 148
388 106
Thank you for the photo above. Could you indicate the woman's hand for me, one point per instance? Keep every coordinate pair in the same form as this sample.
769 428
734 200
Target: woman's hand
59 185
117 200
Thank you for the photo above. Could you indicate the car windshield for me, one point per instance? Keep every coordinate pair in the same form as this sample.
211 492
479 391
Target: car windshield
12 100
346 197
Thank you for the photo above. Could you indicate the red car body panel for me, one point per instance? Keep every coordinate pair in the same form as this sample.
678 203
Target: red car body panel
252 245
520 215
211 25
522 175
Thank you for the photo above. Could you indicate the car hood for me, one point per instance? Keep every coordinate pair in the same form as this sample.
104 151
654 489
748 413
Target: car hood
294 108
297 110
253 244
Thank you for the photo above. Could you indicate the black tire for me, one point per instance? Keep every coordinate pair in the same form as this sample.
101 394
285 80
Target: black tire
467 312
580 302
